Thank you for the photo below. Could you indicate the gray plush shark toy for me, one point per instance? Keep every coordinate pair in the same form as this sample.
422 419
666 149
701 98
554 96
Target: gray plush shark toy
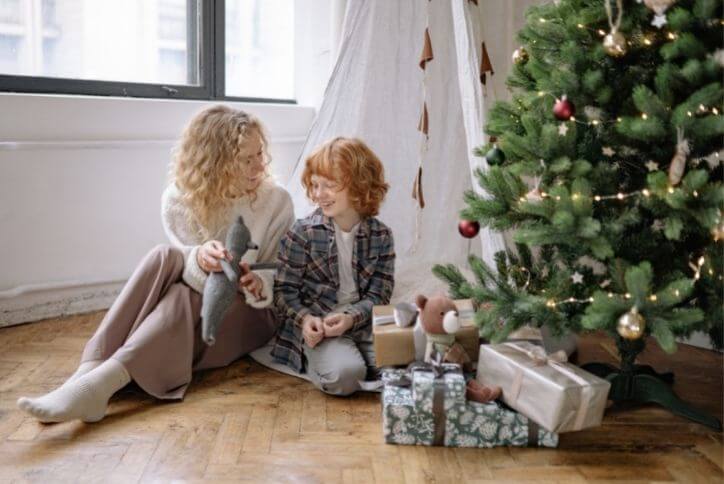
221 287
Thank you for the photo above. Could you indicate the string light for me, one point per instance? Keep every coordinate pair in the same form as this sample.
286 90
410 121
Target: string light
598 198
552 303
697 268
619 119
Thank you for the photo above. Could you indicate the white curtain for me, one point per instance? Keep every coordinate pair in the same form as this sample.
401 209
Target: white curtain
376 93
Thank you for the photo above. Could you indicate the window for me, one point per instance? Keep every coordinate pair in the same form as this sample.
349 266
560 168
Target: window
260 48
192 49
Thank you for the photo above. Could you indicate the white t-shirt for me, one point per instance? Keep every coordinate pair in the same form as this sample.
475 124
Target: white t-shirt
347 293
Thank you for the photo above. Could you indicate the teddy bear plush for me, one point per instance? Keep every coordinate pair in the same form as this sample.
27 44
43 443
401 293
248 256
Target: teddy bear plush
438 317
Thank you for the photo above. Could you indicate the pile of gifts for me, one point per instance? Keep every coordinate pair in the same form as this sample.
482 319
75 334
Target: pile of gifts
542 396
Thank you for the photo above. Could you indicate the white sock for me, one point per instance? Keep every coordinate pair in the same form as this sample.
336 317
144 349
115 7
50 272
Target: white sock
83 368
85 397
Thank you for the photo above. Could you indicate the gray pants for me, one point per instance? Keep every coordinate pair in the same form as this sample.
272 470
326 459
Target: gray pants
338 365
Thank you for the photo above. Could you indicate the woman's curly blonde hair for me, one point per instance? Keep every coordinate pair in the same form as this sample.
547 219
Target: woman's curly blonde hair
207 168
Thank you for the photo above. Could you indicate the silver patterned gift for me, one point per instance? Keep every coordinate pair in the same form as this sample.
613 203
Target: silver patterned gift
557 395
427 406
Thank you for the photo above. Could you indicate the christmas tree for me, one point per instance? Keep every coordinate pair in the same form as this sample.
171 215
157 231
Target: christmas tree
605 169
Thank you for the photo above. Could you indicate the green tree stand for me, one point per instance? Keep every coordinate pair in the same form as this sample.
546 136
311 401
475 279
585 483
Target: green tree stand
641 384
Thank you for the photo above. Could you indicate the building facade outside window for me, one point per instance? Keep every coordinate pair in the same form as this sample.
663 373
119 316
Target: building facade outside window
200 49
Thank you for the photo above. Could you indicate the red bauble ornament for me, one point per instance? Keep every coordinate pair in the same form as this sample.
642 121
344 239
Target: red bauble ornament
563 109
468 228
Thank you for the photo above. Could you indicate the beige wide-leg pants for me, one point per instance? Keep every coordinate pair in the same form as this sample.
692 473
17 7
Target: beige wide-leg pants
154 328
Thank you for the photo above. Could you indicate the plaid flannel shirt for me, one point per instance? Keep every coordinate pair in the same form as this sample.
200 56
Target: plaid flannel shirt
308 279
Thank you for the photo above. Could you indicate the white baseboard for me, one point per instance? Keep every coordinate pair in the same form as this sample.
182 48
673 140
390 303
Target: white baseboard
43 301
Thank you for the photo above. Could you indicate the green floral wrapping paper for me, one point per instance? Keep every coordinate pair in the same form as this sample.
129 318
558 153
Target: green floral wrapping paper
408 416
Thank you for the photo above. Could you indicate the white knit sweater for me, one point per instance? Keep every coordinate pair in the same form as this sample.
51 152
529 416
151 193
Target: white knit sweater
268 217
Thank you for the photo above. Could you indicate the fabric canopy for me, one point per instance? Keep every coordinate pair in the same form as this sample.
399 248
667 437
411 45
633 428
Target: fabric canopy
376 92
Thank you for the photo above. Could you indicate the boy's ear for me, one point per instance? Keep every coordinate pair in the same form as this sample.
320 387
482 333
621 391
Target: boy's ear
421 301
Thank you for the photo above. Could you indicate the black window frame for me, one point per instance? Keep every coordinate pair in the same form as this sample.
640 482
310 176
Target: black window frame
211 66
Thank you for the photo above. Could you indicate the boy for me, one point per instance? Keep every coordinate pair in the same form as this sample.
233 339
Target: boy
335 265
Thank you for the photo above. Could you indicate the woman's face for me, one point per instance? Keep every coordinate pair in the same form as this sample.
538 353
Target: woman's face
329 195
252 161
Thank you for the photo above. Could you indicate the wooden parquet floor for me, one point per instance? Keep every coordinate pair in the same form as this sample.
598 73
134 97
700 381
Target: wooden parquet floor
245 422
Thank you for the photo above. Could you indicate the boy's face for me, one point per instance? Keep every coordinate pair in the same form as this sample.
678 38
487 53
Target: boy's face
329 195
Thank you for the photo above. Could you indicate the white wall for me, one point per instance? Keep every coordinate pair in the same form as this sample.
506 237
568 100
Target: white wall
81 179
80 184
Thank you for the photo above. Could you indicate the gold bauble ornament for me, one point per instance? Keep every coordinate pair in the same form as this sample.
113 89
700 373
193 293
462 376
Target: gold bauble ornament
631 325
659 6
520 56
615 44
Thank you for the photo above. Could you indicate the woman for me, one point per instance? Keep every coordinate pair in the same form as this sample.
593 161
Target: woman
151 334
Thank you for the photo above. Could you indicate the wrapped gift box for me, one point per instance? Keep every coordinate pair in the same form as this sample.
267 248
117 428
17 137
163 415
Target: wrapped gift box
395 346
557 395
422 409
543 337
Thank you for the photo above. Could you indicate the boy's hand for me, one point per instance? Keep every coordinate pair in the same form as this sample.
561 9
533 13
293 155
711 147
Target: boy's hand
337 324
209 254
312 330
252 282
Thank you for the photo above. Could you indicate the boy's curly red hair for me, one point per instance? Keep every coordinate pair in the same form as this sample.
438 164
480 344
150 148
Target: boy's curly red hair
352 164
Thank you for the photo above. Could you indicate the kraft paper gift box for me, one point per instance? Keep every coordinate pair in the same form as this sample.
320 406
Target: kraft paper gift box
557 395
395 346
423 407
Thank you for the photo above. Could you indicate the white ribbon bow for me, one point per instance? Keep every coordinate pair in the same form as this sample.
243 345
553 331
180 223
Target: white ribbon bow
556 361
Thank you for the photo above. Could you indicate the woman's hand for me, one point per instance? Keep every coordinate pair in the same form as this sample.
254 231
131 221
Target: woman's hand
209 255
312 330
252 282
337 324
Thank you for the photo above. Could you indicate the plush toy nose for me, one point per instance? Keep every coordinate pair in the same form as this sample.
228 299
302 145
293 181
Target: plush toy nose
450 322
251 246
